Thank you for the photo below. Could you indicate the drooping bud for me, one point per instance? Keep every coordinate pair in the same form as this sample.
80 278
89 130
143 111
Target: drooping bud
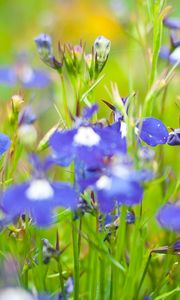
44 46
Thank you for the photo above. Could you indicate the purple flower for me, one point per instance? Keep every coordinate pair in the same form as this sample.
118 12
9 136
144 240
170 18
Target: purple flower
152 131
120 184
114 190
173 56
172 53
4 143
88 144
169 216
172 23
38 198
25 75
26 116
174 137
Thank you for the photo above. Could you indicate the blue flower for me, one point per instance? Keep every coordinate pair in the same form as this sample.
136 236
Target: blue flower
38 197
172 23
87 143
26 116
4 143
28 77
152 131
174 137
172 53
115 190
120 184
169 216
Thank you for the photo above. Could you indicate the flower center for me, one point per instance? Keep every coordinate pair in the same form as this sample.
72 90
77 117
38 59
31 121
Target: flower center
39 189
104 182
123 129
86 136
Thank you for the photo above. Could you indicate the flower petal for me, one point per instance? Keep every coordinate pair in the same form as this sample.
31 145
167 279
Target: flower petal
4 143
153 132
169 216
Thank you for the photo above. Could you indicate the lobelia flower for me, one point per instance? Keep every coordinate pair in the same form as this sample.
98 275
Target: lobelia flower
38 197
26 116
169 216
24 74
174 137
172 23
150 130
172 53
4 143
89 144
120 184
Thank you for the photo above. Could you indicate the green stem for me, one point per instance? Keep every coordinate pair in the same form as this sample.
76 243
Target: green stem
61 280
76 259
120 247
101 278
143 276
66 110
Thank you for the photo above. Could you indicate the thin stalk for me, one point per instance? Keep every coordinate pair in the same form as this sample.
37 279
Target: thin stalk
143 276
120 245
61 280
76 259
101 278
79 235
64 96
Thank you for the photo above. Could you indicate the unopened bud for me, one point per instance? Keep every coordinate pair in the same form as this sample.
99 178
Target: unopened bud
17 101
88 59
102 48
27 135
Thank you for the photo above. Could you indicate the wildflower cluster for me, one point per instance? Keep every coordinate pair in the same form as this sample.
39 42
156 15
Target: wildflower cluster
91 176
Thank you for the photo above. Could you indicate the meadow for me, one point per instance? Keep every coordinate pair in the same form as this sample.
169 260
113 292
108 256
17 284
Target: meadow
89 150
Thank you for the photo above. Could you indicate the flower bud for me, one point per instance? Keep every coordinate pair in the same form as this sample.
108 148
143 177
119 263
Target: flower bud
102 48
27 135
174 137
17 101
44 46
88 60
